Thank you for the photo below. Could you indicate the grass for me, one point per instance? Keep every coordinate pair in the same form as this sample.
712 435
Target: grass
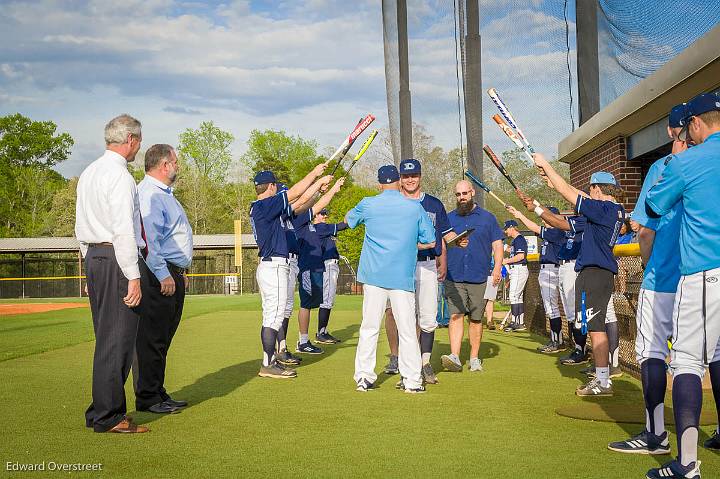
498 423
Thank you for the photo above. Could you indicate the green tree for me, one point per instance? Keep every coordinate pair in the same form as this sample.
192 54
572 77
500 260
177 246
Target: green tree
289 157
61 217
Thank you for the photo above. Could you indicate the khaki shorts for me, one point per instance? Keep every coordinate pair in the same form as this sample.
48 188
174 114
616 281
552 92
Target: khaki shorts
466 298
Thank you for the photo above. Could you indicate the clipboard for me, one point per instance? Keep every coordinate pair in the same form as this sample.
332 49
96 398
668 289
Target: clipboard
464 234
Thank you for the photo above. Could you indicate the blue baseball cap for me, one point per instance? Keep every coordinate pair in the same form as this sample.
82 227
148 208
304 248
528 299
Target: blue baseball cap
703 103
510 223
554 210
678 116
388 174
411 166
263 177
602 178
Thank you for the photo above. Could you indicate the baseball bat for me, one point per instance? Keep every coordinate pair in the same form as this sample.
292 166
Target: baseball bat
496 161
505 112
510 133
347 144
485 187
362 151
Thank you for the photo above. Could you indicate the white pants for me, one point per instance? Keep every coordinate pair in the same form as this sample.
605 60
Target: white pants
548 281
567 276
330 279
292 279
518 278
696 322
272 278
403 307
654 321
426 295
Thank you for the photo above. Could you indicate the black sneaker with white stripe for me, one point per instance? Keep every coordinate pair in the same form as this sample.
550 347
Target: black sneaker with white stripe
675 470
364 386
643 443
713 442
307 348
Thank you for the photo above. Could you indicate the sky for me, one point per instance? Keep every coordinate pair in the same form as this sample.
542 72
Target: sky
308 67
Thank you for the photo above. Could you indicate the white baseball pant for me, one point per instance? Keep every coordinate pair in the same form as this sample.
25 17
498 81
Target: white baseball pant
403 307
696 322
654 321
292 280
272 278
567 276
548 280
330 279
426 295
518 278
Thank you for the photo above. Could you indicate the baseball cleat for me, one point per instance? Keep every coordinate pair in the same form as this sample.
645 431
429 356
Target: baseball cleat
675 470
593 388
545 346
392 366
475 364
520 327
713 442
364 386
400 384
575 358
417 390
277 371
552 348
643 443
286 359
428 374
307 348
326 338
510 327
451 363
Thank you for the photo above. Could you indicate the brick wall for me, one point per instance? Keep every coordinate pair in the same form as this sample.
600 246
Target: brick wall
611 157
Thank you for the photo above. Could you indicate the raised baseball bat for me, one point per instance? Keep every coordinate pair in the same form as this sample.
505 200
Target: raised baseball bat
348 143
510 133
362 151
496 161
505 112
485 187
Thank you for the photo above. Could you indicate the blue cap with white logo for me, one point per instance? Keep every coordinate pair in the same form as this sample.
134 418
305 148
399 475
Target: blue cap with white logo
602 178
678 116
703 103
510 223
411 166
264 177
388 174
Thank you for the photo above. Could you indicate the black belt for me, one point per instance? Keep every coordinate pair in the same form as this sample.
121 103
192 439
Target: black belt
548 264
270 258
427 258
98 245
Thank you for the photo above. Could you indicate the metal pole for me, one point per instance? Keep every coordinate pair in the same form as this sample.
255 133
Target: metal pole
22 273
406 148
80 288
588 67
473 92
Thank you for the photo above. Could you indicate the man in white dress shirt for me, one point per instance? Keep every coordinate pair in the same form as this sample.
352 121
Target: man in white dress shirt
109 229
169 253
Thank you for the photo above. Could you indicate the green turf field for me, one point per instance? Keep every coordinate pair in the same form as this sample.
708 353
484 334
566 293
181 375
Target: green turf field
497 423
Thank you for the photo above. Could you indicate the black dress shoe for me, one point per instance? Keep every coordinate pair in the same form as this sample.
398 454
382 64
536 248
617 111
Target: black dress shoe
162 408
177 404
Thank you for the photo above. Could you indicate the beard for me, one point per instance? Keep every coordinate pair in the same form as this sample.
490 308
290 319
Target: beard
464 209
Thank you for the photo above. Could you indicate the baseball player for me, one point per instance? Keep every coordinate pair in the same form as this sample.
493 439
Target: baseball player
395 228
690 177
660 250
431 267
273 268
596 264
312 268
516 264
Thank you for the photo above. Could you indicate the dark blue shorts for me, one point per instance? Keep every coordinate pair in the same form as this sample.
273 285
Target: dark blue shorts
311 289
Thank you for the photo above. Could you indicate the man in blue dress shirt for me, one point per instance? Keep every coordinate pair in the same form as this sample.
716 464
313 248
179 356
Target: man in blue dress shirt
169 254
395 228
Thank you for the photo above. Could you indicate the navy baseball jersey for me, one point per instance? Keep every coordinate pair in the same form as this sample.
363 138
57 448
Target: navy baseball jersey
603 222
287 225
568 242
329 247
310 239
436 211
266 223
472 263
519 245
549 252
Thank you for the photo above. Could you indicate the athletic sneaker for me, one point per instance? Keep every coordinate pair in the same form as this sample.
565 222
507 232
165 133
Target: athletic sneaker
364 386
451 363
576 357
588 371
277 371
545 346
307 348
643 443
675 470
326 338
392 366
713 442
520 327
417 390
552 347
511 327
285 358
475 364
428 374
400 384
593 388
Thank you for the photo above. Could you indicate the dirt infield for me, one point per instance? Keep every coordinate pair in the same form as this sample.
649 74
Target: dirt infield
27 308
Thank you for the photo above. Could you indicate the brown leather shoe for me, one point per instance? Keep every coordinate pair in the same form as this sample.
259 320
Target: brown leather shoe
126 426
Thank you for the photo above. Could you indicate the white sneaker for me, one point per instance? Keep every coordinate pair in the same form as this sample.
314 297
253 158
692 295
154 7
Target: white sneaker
475 364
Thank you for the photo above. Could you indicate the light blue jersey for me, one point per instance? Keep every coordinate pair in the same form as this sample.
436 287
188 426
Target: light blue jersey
692 177
662 272
394 225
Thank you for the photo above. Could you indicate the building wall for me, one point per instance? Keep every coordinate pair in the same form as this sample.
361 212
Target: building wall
611 157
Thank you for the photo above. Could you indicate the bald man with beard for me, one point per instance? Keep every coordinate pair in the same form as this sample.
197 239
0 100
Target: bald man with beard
468 271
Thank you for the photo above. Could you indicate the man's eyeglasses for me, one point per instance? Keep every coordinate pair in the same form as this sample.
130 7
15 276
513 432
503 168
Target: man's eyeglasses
461 193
